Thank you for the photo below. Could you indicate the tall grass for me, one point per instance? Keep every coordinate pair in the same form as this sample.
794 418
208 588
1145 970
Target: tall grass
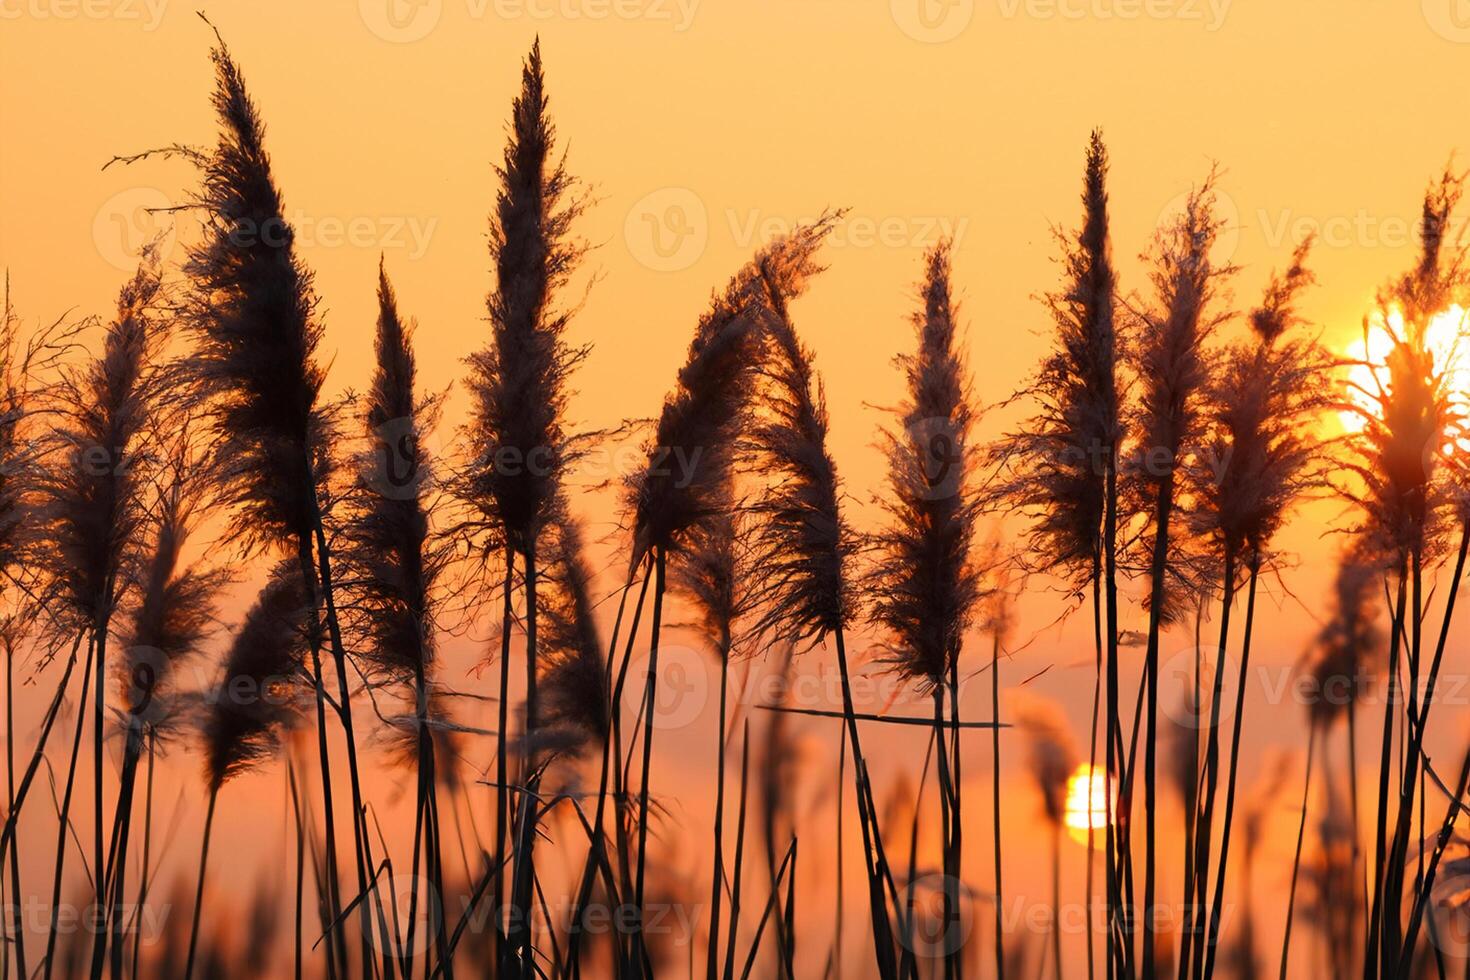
1403 491
518 388
258 697
1148 445
806 585
172 617
90 510
926 583
1262 416
1173 367
683 492
394 563
1061 471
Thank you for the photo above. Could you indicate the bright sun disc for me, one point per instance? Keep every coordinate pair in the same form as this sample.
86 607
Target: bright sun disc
1447 342
1087 801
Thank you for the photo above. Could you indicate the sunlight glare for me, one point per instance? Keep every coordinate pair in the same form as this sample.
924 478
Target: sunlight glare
1447 339
1087 801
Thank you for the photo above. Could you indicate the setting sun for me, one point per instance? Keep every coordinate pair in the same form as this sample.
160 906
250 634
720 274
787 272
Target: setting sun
1446 340
1087 801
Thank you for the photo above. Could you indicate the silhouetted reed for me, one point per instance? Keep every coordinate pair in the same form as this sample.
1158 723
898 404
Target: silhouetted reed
1173 368
517 429
90 490
261 693
393 562
1402 487
1264 409
252 314
925 583
576 703
1053 759
700 429
21 389
1061 468
174 613
805 585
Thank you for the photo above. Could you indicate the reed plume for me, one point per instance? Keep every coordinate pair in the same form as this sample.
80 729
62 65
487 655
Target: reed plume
260 695
22 396
518 389
687 480
576 705
804 585
394 561
519 382
1061 468
252 313
90 490
90 506
1053 760
925 583
173 616
1344 649
1262 413
20 364
1405 495
1173 368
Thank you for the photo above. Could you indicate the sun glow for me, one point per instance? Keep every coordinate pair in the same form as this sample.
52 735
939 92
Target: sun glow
1447 339
1087 801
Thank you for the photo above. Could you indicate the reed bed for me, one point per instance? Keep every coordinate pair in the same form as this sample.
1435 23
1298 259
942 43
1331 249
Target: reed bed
155 458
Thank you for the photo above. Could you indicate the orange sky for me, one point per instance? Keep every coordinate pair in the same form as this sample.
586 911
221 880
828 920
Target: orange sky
703 126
